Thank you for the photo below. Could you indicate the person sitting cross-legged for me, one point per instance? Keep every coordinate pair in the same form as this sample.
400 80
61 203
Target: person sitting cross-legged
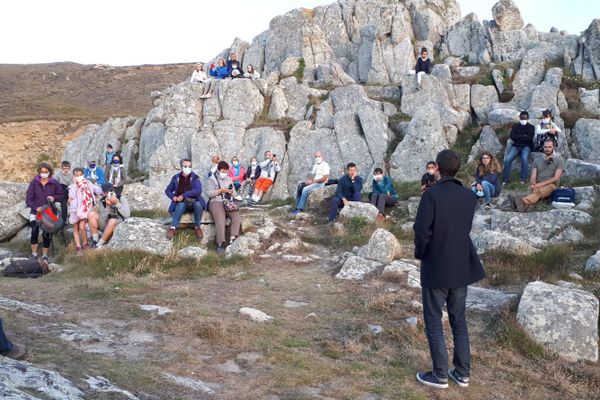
320 175
185 192
348 189
112 210
486 178
545 177
383 194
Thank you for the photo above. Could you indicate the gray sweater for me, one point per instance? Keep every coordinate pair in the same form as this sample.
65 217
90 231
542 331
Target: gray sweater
122 209
212 188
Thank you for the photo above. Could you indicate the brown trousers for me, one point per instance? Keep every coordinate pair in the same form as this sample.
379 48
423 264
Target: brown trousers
219 215
539 194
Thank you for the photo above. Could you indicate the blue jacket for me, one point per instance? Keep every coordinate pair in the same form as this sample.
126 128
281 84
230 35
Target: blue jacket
346 189
219 72
386 186
194 193
87 173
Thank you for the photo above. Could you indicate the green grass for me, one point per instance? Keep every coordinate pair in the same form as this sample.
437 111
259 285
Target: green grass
299 73
407 190
151 214
399 117
510 335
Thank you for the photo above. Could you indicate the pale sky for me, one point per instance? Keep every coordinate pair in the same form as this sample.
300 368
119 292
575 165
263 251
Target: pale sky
127 32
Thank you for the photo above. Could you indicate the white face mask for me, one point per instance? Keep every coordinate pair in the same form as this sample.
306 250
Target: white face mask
44 175
253 163
79 178
546 121
223 175
235 163
318 160
378 178
523 122
187 170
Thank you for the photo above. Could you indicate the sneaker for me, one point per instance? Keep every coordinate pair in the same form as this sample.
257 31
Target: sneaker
199 232
487 206
232 240
238 198
523 182
171 233
78 251
460 381
504 183
429 379
295 212
45 258
220 248
17 352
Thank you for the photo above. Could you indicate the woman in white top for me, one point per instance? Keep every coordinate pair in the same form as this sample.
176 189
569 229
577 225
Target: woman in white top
199 75
545 130
251 72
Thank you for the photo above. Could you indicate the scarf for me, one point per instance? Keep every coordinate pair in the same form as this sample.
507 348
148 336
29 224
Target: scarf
87 199
114 176
93 175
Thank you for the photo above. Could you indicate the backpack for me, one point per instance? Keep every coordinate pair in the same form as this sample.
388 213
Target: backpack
26 268
563 197
49 219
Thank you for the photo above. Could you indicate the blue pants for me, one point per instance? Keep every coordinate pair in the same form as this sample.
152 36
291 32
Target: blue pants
5 345
489 191
337 203
303 193
511 154
181 208
433 301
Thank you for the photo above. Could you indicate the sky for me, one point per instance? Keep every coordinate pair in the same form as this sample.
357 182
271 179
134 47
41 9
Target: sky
128 32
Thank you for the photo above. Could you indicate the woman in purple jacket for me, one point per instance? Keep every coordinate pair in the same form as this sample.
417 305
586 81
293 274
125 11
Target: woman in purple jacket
42 189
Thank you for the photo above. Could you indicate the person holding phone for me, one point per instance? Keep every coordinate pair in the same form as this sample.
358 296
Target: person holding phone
219 188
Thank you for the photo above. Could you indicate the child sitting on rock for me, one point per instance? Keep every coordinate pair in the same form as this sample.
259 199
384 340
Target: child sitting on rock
430 177
423 67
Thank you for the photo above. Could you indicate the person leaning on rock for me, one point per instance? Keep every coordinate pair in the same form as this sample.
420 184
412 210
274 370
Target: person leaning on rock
319 176
545 177
111 211
185 192
449 263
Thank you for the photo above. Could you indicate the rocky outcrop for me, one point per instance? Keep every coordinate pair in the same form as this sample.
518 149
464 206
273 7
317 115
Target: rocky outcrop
593 262
482 98
586 136
145 198
488 301
488 141
382 247
507 16
141 234
356 268
355 209
587 63
487 240
467 39
14 210
563 320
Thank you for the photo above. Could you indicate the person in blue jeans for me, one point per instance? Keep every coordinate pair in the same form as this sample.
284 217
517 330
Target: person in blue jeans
348 189
521 136
449 263
185 192
319 174
486 178
8 349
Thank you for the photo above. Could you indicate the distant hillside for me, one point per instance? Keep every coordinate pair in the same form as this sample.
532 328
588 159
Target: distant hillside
67 91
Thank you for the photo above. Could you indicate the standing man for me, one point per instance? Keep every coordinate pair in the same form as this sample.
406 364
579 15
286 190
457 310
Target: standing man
348 189
449 264
320 175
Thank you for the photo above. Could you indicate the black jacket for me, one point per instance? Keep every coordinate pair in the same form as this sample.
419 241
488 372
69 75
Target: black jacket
442 241
522 135
346 188
249 172
423 66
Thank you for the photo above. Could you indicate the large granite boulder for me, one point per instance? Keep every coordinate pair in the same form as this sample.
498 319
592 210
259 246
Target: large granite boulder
383 247
242 101
145 198
587 63
467 39
529 76
356 268
593 262
356 209
141 234
577 169
507 15
12 198
482 98
561 319
244 246
488 301
488 141
586 137
487 240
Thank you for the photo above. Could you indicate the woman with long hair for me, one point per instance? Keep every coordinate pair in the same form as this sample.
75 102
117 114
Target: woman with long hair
486 178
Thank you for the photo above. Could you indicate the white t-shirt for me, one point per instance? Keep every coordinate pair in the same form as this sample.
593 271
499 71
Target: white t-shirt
320 170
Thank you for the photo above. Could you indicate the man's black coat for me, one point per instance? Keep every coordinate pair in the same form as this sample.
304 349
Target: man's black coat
442 241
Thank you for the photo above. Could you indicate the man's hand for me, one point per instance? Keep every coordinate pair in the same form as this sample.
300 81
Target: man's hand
345 201
39 209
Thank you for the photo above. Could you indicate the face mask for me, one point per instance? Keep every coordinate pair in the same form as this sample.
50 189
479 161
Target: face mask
223 175
44 175
79 178
92 166
318 160
235 163
479 193
267 158
253 163
116 162
431 171
187 170
523 122
378 178
546 120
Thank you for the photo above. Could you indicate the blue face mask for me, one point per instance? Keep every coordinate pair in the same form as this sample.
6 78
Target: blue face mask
92 166
116 162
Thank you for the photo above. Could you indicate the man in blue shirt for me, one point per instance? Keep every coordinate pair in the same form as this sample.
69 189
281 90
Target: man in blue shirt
348 189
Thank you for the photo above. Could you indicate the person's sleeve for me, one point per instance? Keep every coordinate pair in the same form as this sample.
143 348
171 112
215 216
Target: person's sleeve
423 226
30 195
560 164
195 191
539 130
375 187
101 179
242 174
59 193
423 180
123 207
212 72
358 184
558 130
211 189
339 191
169 191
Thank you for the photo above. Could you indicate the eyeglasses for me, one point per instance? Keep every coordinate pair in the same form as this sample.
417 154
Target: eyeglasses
486 157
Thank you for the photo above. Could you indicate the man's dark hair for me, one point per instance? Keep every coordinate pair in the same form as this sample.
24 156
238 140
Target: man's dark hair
430 163
448 163
65 164
378 171
524 113
180 161
78 169
222 165
550 141
350 165
423 49
109 146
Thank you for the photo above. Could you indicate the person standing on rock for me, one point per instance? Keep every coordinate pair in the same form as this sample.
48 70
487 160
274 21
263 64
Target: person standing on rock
81 202
269 169
319 177
185 192
94 174
384 194
423 67
220 190
521 136
8 349
349 188
449 263
117 175
42 190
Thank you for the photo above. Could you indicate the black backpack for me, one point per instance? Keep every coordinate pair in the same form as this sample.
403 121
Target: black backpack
26 269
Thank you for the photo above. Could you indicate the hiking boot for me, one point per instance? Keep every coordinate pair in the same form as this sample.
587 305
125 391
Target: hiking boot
296 212
171 233
511 202
220 248
429 379
17 352
460 380
504 183
519 205
199 232
45 258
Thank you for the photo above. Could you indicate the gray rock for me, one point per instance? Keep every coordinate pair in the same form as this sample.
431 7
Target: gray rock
101 384
587 63
332 74
255 315
194 384
467 39
141 234
382 247
590 100
319 200
234 108
12 196
245 245
356 268
593 262
154 308
405 267
486 241
586 136
421 143
294 304
507 16
482 98
577 169
289 66
530 75
561 319
145 198
488 141
503 116
374 125
297 96
356 209
352 140
489 301
196 253
498 80
36 309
